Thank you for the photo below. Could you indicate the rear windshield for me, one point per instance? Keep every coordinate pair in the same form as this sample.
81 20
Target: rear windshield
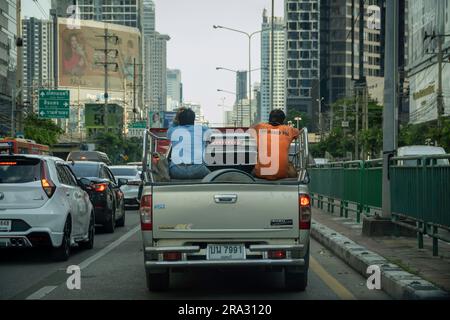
124 171
14 170
82 170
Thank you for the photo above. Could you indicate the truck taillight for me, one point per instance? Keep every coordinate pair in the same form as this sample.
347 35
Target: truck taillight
46 183
304 207
146 212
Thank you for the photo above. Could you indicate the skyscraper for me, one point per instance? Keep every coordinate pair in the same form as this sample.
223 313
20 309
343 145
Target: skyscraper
126 13
148 17
37 58
155 71
302 55
279 84
174 89
241 85
340 50
8 61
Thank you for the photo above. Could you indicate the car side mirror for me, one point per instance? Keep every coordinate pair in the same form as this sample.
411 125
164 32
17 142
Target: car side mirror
122 182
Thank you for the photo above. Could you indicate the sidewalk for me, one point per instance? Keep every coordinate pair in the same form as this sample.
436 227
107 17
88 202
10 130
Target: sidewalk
400 251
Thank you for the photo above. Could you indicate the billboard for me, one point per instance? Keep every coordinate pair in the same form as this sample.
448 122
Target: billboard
95 117
81 54
160 119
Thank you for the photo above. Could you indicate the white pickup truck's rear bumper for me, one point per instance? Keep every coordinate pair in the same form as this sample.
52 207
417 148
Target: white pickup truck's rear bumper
160 264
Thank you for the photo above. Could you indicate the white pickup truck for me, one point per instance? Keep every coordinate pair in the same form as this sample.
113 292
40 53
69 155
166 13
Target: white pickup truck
227 219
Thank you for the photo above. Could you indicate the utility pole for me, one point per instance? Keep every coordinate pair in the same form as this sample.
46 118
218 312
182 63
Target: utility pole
440 58
106 64
135 74
391 101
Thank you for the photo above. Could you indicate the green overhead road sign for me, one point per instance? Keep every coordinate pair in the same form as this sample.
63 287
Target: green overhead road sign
54 104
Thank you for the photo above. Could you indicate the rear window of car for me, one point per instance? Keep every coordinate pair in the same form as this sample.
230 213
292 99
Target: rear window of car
13 170
124 171
82 170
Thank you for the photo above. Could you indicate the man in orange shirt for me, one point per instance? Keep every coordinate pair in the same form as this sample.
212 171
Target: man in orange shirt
273 141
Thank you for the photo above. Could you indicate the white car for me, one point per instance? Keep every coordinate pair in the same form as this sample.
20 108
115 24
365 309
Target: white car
418 151
43 205
131 189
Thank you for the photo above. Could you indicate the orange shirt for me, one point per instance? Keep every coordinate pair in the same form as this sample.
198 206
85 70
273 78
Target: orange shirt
273 150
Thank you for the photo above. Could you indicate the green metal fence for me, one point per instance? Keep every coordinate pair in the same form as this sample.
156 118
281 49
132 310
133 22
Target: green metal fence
420 191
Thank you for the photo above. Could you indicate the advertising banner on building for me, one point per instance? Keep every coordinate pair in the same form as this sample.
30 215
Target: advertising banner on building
81 54
423 94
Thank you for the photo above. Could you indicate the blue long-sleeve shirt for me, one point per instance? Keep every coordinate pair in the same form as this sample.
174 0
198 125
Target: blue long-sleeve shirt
188 144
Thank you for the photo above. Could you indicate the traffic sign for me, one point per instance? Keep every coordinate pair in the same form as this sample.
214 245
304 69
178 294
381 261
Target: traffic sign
138 125
54 104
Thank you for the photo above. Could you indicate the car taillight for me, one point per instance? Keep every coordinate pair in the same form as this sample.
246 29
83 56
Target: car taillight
304 207
47 184
100 187
145 211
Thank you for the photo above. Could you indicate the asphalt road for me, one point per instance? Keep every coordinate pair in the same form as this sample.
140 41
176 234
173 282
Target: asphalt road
114 269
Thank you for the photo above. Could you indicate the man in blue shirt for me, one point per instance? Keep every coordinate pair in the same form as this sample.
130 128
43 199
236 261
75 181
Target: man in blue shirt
188 147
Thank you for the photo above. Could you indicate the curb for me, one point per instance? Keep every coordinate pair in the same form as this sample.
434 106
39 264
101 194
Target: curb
396 282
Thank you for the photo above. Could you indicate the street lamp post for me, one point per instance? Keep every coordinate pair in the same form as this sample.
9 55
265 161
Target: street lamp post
250 36
298 119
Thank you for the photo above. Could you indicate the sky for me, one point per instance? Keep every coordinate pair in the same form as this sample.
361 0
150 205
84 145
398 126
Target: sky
196 48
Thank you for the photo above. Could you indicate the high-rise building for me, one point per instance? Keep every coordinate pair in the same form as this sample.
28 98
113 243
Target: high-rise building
126 13
8 61
340 50
174 88
148 17
241 85
279 62
302 55
197 108
427 17
37 58
155 71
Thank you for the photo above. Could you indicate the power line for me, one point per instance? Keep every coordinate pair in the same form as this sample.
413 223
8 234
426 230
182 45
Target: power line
36 2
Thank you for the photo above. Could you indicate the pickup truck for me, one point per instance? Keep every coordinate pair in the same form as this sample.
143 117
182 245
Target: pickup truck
227 219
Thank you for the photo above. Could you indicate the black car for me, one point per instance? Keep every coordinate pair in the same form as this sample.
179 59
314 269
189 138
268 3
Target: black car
104 192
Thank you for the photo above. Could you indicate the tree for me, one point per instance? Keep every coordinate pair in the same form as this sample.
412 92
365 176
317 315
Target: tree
119 149
292 114
43 131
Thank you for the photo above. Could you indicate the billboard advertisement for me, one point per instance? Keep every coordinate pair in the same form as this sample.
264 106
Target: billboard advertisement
160 119
81 54
95 117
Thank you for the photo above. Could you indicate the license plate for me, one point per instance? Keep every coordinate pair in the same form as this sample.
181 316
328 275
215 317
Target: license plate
226 252
5 225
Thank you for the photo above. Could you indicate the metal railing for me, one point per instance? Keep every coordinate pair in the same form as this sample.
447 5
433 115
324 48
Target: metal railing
420 192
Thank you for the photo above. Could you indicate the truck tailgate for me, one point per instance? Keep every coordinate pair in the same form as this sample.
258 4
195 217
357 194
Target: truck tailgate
225 211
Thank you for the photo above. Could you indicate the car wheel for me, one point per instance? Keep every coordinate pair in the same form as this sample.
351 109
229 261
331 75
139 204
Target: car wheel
158 281
111 224
297 280
89 244
121 221
62 253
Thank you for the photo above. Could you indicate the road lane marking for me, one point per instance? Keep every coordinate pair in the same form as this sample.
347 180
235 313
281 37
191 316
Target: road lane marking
341 291
41 293
109 248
